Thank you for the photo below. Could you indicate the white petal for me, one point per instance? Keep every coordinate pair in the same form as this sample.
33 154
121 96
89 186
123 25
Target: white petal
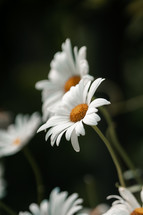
69 131
99 102
82 52
59 203
74 209
117 210
41 84
59 137
34 209
53 199
44 207
69 203
85 91
24 213
91 119
74 141
91 110
79 129
53 121
142 195
93 88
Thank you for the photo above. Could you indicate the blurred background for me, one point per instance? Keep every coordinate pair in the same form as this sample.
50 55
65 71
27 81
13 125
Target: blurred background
31 33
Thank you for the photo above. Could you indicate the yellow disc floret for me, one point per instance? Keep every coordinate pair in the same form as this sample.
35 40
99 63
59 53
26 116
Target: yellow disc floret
71 82
78 112
16 141
137 211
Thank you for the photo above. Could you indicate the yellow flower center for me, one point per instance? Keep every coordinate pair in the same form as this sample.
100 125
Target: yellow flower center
137 211
78 112
16 141
71 82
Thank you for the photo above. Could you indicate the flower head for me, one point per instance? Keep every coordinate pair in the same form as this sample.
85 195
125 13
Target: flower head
66 70
126 204
18 134
76 108
58 204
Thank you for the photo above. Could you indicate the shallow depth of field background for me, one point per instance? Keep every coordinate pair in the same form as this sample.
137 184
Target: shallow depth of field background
31 33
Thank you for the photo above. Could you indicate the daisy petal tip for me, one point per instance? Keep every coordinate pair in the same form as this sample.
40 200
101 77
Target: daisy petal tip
39 130
77 150
121 189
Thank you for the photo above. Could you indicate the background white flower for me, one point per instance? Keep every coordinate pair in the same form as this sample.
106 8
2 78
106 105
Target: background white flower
58 204
17 135
66 71
76 108
2 182
126 204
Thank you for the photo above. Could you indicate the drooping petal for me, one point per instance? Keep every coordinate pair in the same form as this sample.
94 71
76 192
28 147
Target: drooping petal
69 131
79 129
74 141
59 137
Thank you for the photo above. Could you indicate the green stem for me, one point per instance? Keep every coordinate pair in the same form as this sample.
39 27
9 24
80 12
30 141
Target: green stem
36 172
108 145
7 208
117 145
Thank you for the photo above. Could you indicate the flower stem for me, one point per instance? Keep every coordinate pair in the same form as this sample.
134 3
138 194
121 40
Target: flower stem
36 172
115 160
117 145
7 208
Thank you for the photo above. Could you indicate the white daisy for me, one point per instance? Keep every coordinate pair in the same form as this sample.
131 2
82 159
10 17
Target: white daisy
58 204
2 182
126 204
76 108
66 70
17 135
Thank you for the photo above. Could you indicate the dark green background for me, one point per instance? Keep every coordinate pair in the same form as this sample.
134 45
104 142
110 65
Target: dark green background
31 32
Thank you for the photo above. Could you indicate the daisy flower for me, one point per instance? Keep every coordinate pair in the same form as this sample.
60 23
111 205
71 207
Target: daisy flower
17 135
126 204
58 204
2 182
67 69
76 108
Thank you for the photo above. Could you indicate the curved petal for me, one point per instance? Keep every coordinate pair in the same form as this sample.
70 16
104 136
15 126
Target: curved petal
74 141
69 131
79 129
128 196
99 102
91 119
74 209
93 88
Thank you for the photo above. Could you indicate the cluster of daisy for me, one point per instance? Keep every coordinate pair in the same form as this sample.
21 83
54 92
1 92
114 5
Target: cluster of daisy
67 96
68 102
